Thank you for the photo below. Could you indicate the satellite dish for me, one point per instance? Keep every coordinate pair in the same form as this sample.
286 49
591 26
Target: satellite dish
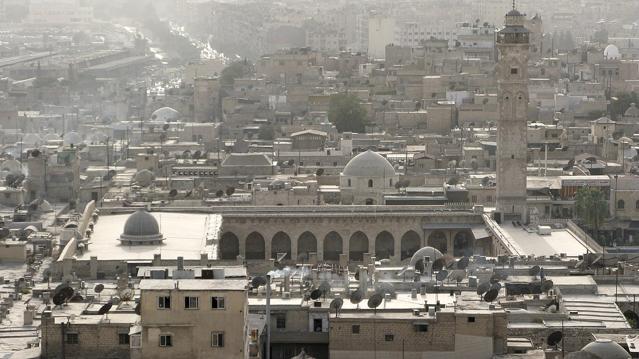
375 300
58 299
105 308
67 292
257 282
463 262
439 264
127 295
165 126
356 297
554 338
534 271
457 275
483 288
547 285
315 294
491 295
98 288
441 275
337 304
173 193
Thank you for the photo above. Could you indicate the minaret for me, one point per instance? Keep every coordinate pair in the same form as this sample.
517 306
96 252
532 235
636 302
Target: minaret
512 77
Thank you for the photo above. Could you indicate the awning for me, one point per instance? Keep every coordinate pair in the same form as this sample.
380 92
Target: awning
480 232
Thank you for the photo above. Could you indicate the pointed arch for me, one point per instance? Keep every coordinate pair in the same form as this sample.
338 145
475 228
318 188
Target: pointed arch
384 245
255 246
358 245
306 243
229 246
438 241
463 244
333 246
281 243
411 242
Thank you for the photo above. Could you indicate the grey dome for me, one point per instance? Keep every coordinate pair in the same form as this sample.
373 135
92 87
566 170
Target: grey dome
431 252
141 228
606 349
368 164
165 114
632 111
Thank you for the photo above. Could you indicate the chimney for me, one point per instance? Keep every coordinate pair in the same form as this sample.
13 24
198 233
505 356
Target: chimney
180 263
422 290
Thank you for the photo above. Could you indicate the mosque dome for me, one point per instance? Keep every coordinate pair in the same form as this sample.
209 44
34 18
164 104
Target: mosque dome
368 164
606 349
632 111
612 53
51 137
11 166
141 228
72 138
31 139
165 114
432 253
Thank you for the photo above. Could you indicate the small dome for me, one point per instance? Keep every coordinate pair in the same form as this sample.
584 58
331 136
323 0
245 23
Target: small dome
632 111
12 166
612 53
144 178
141 228
606 349
72 138
31 139
51 137
165 114
431 252
368 164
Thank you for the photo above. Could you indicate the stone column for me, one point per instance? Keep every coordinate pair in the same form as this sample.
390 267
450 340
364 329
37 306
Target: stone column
93 267
267 247
450 244
242 242
294 241
397 247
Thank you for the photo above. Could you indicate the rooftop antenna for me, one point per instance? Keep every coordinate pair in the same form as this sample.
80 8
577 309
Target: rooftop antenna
514 5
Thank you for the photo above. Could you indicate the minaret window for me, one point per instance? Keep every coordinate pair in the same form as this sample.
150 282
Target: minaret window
514 71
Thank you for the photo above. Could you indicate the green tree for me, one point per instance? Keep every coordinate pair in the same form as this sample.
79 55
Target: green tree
234 71
591 208
346 113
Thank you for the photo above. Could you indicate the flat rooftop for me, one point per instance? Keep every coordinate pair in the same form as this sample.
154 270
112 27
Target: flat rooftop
194 284
559 241
185 235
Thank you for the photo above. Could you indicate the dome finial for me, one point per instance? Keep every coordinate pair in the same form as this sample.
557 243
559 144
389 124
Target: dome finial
514 4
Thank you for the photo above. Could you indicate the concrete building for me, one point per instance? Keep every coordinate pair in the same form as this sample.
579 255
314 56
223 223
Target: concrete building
381 32
194 318
512 75
205 99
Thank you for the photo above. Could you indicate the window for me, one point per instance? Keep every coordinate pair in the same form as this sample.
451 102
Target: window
217 303
349 182
370 183
390 183
190 302
422 328
514 71
280 321
166 340
355 329
217 339
317 325
389 337
471 319
637 205
72 338
621 204
164 302
123 339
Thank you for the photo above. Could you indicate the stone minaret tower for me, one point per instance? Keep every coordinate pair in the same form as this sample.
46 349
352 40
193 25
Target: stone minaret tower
513 42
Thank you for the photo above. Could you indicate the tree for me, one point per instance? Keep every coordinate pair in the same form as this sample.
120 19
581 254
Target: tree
230 191
591 208
346 113
219 193
453 181
319 172
234 71
267 133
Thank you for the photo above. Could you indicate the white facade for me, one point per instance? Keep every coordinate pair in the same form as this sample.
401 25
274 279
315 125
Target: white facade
381 32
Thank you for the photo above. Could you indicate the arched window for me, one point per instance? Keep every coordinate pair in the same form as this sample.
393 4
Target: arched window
349 182
390 183
637 205
370 183
621 204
